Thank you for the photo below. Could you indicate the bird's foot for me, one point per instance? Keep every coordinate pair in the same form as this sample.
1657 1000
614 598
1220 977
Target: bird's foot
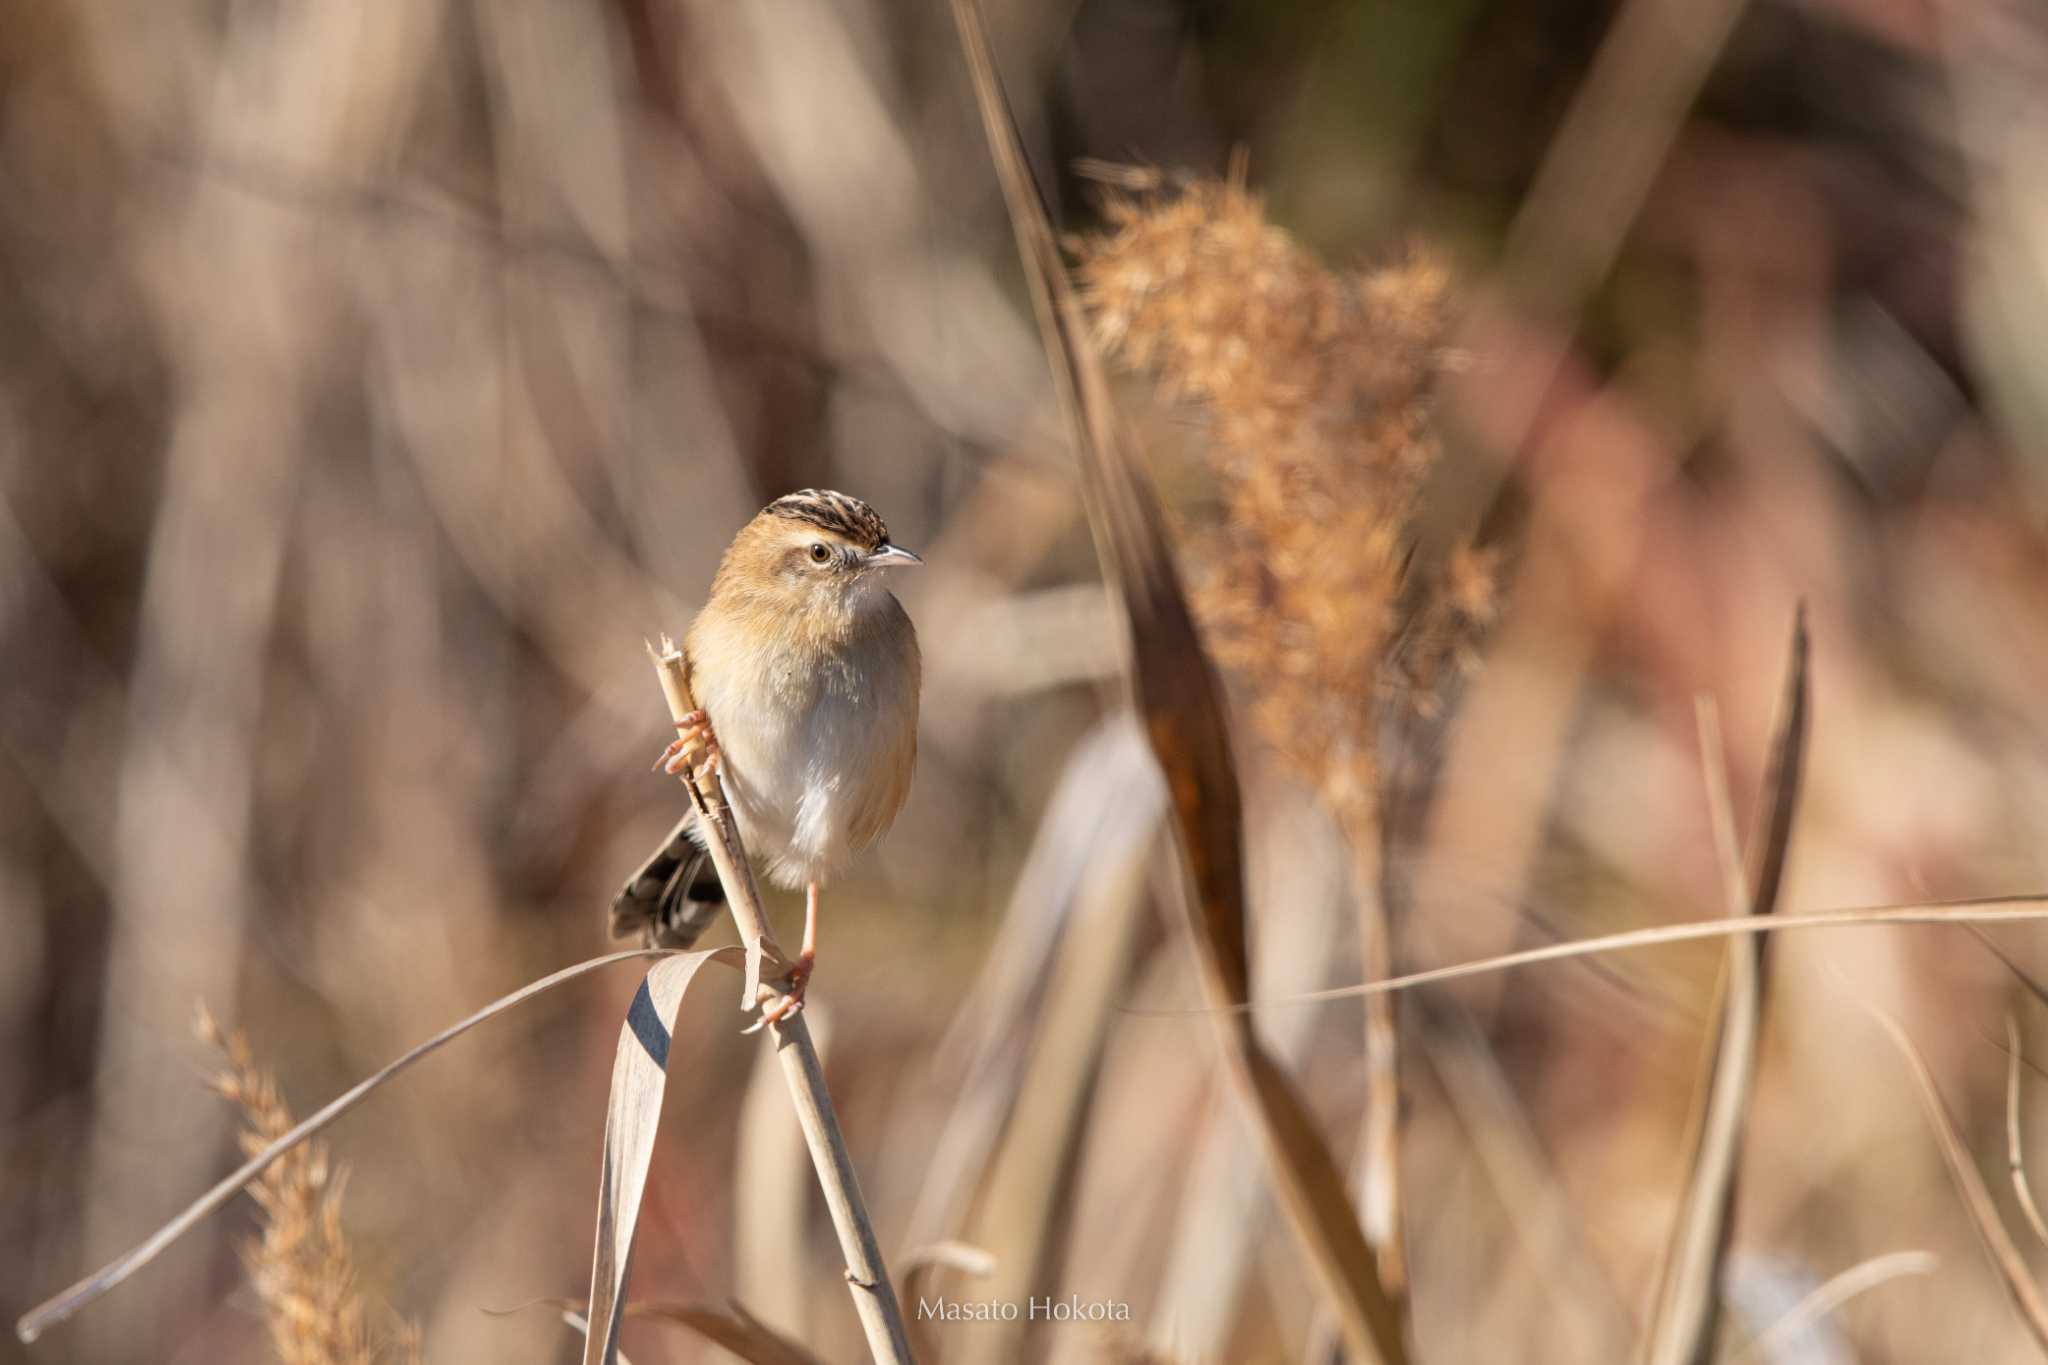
792 1002
696 746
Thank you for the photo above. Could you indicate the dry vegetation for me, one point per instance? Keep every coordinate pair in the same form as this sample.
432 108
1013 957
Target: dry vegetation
300 1262
1317 388
374 379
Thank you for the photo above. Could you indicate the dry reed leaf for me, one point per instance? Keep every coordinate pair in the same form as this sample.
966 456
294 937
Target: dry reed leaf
1686 1324
1962 1168
1179 697
46 1315
632 1120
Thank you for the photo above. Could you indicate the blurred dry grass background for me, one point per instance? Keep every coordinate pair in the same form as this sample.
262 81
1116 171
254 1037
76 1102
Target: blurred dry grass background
374 378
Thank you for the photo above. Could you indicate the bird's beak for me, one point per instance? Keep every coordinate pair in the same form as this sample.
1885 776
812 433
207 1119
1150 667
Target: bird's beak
891 555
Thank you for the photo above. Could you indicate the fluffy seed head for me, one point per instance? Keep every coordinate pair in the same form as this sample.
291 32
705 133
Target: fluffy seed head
301 1265
1315 388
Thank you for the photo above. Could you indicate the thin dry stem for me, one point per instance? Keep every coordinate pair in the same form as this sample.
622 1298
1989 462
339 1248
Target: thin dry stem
1981 910
874 1294
47 1314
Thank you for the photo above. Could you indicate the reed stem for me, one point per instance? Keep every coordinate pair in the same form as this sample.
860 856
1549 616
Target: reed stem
874 1295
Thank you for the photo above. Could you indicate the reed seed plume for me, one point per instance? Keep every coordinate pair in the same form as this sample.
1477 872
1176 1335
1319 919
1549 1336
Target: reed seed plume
1316 386
301 1265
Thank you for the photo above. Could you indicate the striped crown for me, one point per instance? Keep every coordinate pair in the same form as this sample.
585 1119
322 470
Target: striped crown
836 512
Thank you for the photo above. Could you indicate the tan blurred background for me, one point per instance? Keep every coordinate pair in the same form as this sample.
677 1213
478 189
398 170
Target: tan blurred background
373 377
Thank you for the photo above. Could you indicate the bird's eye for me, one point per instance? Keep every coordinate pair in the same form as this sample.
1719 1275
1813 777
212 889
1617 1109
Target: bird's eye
819 554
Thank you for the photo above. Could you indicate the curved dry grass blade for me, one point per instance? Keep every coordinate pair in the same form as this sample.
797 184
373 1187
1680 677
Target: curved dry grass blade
1857 1279
732 1327
1179 698
1962 1168
632 1120
1968 911
968 1260
41 1319
921 1264
1687 1321
2015 1152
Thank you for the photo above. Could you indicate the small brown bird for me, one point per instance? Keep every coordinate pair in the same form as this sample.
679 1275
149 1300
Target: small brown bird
806 669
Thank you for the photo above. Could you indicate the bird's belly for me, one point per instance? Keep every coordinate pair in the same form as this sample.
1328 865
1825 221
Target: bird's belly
794 776
762 768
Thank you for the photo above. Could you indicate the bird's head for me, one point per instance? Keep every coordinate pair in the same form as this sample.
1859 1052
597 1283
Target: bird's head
813 551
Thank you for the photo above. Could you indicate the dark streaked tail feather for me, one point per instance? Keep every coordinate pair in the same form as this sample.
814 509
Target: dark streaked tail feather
674 896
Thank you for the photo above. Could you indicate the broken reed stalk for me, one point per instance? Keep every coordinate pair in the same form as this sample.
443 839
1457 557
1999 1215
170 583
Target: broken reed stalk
874 1296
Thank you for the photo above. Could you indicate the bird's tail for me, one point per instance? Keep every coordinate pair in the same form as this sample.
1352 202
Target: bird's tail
674 896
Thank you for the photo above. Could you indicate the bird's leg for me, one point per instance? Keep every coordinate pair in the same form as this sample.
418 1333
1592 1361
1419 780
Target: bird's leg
792 1001
696 738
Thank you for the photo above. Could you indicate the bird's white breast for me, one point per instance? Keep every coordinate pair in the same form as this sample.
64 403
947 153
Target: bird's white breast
812 742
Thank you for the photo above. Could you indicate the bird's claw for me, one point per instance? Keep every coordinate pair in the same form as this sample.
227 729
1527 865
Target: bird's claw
792 1002
697 738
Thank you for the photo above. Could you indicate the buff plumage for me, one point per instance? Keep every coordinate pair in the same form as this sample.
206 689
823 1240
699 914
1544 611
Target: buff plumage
807 670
